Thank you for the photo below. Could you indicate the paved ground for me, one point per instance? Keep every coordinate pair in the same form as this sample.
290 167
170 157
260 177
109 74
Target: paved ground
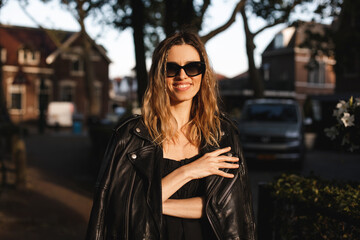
58 198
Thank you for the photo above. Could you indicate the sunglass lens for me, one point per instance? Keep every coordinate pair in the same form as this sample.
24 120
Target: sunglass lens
172 69
194 68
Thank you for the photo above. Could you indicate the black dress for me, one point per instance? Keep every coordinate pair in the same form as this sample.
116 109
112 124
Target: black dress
175 228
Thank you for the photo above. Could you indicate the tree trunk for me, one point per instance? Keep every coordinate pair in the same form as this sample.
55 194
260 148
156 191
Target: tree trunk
3 108
138 27
92 108
254 74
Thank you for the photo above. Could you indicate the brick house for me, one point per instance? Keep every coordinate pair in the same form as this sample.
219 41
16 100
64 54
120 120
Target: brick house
287 71
49 61
288 68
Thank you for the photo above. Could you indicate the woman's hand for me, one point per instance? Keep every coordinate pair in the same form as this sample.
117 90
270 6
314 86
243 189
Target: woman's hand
211 163
207 165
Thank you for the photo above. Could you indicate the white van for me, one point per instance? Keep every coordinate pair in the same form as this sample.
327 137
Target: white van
60 114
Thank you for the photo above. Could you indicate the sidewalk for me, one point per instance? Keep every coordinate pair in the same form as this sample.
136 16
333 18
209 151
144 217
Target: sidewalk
52 206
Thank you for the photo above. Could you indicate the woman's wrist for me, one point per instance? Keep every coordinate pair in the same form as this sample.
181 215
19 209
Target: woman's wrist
186 173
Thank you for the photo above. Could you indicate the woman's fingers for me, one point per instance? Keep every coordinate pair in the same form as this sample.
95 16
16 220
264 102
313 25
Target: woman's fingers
229 165
228 159
220 151
224 174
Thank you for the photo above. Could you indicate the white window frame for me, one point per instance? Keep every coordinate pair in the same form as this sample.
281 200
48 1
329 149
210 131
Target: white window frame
25 59
16 88
317 76
3 55
77 72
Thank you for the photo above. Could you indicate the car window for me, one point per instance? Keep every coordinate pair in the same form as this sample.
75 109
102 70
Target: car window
270 113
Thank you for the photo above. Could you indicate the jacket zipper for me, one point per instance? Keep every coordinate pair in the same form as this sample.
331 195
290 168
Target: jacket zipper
127 223
207 212
227 192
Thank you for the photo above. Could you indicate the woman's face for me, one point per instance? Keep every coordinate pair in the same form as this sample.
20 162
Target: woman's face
181 87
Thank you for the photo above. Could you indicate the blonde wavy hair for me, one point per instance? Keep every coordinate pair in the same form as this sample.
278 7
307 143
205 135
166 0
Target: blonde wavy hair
204 124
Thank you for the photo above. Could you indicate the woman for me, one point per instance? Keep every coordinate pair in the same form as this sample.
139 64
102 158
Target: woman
177 171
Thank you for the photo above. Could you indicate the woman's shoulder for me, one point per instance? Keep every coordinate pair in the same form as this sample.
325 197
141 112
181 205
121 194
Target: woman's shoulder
128 122
227 123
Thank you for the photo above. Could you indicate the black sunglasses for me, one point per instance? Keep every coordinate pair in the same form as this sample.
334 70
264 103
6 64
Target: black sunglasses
191 69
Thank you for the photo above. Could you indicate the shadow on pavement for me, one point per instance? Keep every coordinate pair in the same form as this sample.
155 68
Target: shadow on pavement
27 214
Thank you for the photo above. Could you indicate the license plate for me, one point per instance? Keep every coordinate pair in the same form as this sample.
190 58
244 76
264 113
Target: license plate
266 156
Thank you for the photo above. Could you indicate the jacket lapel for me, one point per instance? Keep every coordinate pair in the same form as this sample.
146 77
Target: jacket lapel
146 159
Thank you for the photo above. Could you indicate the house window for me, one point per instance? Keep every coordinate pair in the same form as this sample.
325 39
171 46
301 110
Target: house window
77 67
279 41
316 72
16 97
67 91
27 56
266 69
3 55
16 100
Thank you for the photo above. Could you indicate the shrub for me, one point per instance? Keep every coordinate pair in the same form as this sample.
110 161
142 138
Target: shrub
311 208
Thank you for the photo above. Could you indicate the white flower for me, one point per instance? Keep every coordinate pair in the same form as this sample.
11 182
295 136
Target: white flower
348 120
342 107
331 132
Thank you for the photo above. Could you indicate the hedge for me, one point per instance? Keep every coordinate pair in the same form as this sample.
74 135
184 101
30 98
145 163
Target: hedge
311 208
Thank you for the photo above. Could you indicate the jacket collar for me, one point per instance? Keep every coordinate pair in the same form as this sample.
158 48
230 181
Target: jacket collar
147 155
141 130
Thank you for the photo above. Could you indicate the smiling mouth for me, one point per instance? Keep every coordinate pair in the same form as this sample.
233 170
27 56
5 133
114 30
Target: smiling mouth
182 86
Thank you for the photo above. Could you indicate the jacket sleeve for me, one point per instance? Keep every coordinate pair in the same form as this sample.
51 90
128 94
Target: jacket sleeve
232 201
246 208
96 229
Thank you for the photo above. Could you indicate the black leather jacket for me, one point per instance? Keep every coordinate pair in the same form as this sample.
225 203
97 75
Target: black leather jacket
127 202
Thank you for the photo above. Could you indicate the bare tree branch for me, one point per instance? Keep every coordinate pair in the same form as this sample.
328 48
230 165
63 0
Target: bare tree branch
48 32
222 28
280 20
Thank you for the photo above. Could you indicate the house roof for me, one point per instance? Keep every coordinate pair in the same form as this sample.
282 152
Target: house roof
295 35
240 81
70 41
34 38
50 42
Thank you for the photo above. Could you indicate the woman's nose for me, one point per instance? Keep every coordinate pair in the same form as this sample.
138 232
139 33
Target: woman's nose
182 74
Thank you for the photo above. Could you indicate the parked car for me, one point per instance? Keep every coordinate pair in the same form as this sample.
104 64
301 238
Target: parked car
272 129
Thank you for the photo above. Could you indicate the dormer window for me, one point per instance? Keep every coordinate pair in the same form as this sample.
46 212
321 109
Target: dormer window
77 67
279 41
27 56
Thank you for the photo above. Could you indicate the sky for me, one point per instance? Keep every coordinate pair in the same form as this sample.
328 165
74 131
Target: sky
226 50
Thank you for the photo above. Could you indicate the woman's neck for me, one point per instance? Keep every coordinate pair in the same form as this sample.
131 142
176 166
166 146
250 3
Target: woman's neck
181 113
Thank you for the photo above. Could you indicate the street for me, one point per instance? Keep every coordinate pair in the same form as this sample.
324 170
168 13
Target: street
58 199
